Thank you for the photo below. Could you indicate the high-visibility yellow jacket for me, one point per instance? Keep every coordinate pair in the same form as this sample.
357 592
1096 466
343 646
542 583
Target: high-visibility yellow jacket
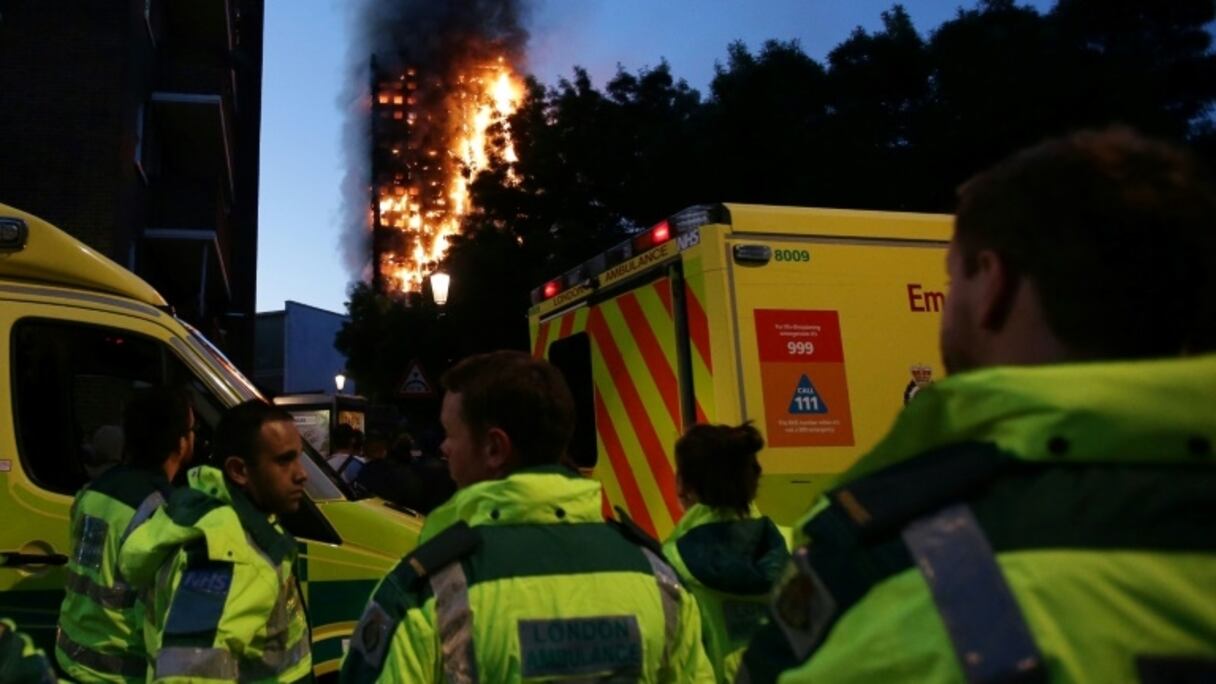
100 635
225 605
729 562
21 662
1022 524
522 579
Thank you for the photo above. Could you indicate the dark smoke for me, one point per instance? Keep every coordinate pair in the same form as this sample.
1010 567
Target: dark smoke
436 37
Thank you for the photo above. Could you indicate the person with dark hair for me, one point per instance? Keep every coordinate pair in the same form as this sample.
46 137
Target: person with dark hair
726 553
220 570
1044 513
389 477
346 447
519 577
407 477
100 635
433 483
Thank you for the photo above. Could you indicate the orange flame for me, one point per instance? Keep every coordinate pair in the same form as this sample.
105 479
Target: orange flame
428 211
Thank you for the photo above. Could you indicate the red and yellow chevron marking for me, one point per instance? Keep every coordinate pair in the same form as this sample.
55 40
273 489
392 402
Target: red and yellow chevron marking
637 398
702 356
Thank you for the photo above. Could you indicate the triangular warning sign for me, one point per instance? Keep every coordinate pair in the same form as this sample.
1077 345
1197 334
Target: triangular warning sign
806 398
415 383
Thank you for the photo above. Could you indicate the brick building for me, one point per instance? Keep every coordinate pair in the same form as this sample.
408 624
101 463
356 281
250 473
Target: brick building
134 125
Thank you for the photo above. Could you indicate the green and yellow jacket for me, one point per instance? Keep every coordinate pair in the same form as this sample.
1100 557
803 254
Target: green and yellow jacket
1045 523
100 636
521 579
729 563
224 604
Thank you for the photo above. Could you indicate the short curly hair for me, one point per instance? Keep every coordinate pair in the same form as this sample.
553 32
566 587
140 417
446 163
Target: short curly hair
1116 231
525 397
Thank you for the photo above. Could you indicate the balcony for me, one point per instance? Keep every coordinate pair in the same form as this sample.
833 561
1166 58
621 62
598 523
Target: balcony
205 24
192 107
187 245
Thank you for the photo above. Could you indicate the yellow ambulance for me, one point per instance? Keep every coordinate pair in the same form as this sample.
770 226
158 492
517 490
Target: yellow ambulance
79 334
816 324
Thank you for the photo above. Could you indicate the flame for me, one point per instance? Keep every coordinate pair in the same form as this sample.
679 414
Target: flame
426 201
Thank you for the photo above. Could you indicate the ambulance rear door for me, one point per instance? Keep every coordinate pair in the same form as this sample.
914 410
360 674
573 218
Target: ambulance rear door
830 330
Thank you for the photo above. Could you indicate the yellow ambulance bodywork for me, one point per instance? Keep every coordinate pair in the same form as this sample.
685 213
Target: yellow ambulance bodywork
808 322
52 287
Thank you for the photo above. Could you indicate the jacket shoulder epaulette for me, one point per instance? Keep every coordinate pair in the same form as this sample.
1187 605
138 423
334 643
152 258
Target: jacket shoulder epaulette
399 592
187 506
635 535
453 544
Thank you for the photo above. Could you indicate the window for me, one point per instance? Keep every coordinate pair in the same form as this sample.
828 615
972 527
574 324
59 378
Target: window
71 385
72 382
572 356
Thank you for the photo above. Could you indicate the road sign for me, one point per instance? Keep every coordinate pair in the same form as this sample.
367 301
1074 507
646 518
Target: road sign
416 384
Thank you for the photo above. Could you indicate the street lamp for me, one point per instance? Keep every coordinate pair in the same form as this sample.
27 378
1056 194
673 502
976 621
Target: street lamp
439 287
340 380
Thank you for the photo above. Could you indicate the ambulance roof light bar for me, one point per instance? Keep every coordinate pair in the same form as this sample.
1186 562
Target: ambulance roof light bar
682 222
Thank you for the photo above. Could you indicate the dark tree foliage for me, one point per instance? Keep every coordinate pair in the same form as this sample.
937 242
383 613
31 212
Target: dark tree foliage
895 119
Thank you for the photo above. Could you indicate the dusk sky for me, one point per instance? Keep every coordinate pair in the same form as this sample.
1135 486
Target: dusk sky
305 66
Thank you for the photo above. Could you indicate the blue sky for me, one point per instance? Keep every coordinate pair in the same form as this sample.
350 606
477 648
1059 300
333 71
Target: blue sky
305 64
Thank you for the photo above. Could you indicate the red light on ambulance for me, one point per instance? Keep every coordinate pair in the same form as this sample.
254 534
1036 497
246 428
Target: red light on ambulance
660 234
551 289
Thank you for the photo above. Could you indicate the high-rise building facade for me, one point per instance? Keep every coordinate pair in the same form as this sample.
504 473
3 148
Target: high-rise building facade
134 125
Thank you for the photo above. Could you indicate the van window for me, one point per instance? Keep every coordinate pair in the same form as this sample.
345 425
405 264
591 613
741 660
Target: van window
71 383
572 356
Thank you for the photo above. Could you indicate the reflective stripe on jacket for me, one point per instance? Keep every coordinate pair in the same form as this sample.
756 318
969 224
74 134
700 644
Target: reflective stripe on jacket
100 634
1065 508
225 606
544 590
729 563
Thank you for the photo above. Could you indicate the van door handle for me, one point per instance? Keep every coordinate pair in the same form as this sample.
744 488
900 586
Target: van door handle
16 559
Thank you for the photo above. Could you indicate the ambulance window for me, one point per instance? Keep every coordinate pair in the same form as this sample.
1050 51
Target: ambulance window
71 383
572 356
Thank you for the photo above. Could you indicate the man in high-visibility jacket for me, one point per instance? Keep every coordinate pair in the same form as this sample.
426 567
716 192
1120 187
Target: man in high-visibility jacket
519 577
1044 513
225 604
100 635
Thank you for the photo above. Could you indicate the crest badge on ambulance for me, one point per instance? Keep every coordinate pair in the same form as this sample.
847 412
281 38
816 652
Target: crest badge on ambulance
922 377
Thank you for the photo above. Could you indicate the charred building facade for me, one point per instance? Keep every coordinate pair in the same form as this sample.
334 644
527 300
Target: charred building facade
430 134
134 125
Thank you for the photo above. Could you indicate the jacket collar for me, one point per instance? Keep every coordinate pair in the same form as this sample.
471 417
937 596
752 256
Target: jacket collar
1130 411
547 495
728 552
269 537
700 514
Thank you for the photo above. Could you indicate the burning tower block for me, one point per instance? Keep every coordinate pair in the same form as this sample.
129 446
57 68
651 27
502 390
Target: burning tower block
430 137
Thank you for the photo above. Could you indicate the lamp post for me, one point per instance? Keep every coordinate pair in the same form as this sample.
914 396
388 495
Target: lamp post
340 380
439 287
